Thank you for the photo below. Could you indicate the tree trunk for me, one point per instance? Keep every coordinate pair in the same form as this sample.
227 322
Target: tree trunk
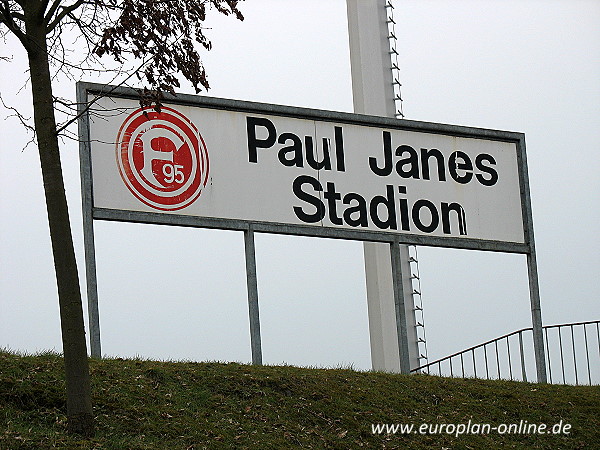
79 405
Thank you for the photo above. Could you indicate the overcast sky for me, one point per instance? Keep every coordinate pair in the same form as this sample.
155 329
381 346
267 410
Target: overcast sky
527 66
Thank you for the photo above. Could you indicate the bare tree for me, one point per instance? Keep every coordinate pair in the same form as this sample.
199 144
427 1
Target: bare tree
165 36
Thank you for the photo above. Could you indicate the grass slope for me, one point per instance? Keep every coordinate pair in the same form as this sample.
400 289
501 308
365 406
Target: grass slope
163 405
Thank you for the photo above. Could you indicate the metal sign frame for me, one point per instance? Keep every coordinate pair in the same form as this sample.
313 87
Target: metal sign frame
91 213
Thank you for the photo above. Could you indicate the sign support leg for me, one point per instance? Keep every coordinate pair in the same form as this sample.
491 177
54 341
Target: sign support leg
88 226
92 288
252 287
399 306
536 318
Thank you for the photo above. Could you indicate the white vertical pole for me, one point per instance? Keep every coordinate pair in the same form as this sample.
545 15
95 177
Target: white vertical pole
373 94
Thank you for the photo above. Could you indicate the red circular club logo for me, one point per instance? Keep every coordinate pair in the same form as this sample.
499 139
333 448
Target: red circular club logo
162 158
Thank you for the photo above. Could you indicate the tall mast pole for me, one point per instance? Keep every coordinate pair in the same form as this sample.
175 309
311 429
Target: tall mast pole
394 345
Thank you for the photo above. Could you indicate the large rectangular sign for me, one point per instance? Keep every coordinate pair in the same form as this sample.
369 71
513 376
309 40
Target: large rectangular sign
303 171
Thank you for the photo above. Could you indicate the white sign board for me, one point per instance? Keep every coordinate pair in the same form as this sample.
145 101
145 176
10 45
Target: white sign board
308 170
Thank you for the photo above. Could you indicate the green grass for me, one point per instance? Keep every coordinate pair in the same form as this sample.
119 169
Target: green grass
164 405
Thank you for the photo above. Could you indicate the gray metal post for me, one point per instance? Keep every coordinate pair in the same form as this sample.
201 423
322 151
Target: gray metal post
252 286
92 288
536 317
532 272
88 225
400 309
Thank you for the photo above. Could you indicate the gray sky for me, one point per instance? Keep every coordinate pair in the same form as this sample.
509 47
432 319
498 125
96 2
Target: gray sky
526 66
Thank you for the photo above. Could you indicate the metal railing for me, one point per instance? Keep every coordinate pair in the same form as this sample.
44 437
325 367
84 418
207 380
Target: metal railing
572 356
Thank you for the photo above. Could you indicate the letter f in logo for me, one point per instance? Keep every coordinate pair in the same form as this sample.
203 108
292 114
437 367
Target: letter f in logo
150 154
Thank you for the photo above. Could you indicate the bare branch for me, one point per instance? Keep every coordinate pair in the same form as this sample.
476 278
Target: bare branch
24 121
16 113
163 34
98 97
7 18
64 12
51 11
18 15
